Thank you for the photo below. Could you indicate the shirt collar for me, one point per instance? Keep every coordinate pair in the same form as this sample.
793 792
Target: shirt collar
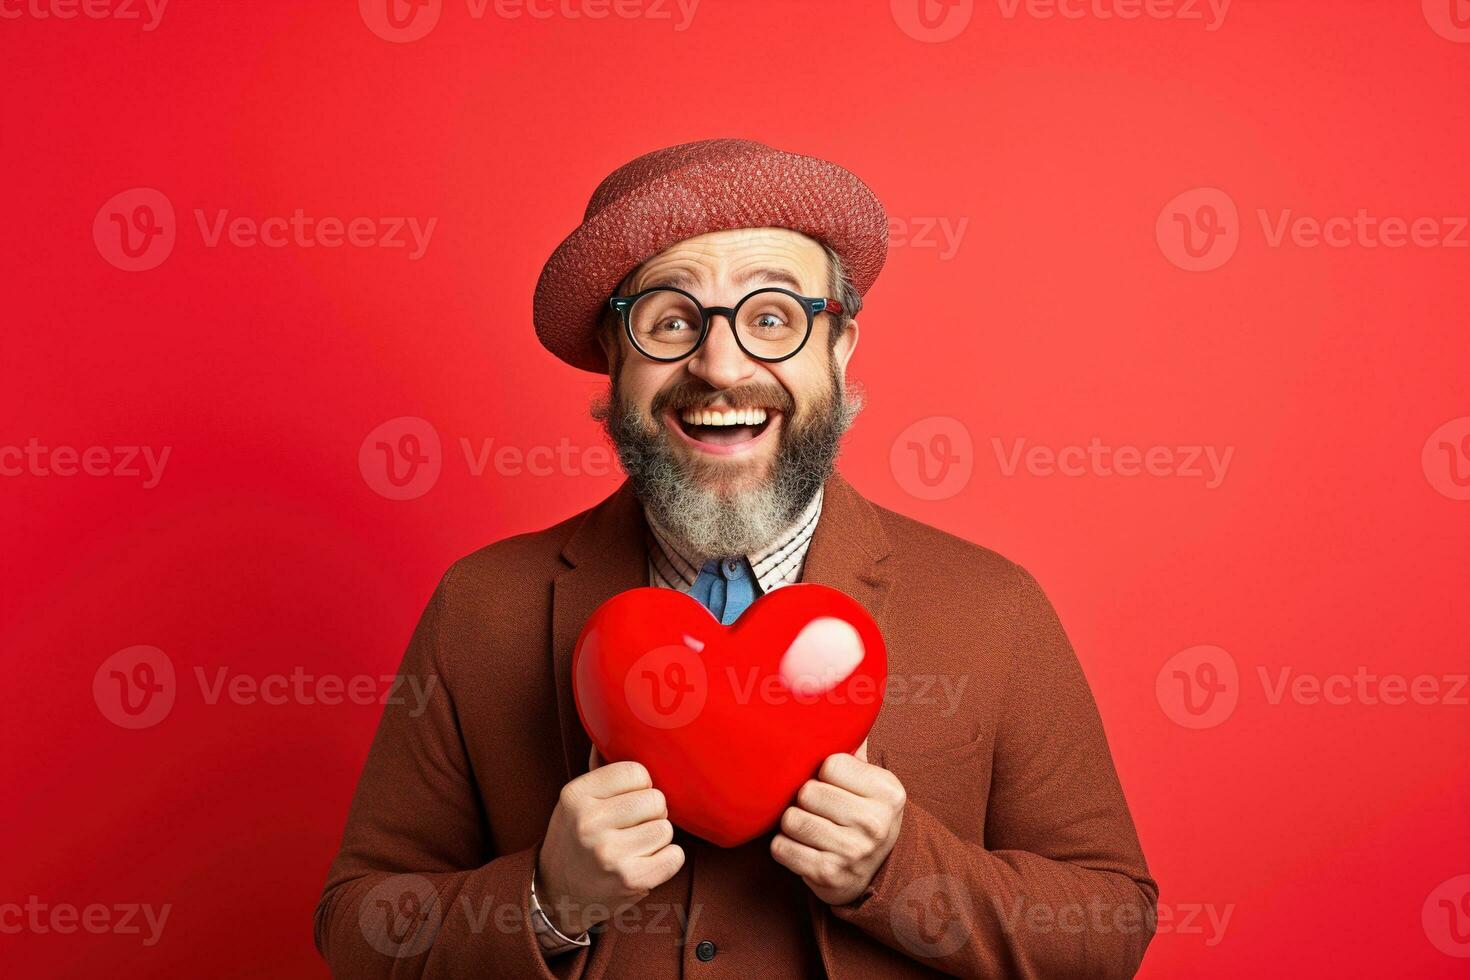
775 565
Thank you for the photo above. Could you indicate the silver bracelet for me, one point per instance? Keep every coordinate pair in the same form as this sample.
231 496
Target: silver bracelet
552 939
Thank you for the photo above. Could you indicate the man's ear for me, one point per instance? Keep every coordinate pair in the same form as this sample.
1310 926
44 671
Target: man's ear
610 343
846 344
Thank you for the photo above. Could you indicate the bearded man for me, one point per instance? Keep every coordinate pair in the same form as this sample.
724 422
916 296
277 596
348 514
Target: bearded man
717 283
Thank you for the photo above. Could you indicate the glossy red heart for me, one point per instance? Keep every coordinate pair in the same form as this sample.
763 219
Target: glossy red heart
729 721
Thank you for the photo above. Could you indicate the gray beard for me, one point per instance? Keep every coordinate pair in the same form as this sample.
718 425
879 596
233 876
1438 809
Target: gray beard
711 521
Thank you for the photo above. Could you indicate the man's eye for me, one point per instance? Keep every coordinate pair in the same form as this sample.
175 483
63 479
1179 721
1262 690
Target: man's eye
769 321
672 325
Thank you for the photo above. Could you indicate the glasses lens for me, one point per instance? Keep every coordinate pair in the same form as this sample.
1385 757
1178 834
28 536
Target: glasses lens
665 323
771 324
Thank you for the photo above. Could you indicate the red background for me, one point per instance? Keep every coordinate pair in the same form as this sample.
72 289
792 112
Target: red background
1322 828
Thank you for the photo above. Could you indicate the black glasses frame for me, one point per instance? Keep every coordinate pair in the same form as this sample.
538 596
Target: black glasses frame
812 304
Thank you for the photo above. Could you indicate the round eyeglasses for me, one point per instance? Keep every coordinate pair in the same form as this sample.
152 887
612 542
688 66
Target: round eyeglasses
771 324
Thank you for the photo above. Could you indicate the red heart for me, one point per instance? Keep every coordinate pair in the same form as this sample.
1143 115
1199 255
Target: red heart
729 721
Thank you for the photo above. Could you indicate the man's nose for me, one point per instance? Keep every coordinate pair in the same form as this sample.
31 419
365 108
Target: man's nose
719 361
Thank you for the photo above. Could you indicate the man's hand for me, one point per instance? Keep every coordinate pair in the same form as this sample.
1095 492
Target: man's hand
609 844
843 826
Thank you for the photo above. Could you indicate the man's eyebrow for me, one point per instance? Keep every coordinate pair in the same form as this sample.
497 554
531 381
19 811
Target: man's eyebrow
778 277
678 278
685 280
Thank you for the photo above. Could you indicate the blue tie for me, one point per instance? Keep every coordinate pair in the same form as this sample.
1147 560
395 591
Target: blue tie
726 586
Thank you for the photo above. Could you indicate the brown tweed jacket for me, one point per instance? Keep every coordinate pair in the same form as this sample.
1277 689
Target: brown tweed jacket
1016 858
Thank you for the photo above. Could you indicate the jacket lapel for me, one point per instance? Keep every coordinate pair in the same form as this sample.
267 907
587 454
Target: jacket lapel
848 546
847 552
606 554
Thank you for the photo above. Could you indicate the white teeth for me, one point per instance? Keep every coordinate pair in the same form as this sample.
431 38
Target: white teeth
732 416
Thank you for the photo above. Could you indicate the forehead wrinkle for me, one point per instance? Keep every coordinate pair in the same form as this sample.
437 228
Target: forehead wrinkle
782 261
767 274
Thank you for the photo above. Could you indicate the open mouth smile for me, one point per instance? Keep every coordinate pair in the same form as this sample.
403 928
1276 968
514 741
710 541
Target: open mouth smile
723 431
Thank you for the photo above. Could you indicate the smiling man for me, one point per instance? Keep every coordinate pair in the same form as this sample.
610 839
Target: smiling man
979 834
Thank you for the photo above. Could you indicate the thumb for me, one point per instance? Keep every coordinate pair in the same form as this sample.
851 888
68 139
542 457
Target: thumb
594 761
862 751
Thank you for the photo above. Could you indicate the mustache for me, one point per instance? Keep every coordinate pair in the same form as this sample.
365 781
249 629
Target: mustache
695 394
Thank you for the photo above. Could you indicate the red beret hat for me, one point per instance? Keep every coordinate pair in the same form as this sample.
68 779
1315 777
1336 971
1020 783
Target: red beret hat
679 192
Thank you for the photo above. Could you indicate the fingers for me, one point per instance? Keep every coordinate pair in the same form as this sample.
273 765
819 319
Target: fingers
636 808
828 800
843 808
646 840
799 858
821 834
856 775
615 779
649 872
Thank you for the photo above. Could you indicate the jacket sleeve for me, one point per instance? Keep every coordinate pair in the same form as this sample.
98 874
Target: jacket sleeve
1060 887
415 890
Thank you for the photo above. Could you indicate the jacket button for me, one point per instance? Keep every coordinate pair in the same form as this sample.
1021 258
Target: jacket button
705 951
